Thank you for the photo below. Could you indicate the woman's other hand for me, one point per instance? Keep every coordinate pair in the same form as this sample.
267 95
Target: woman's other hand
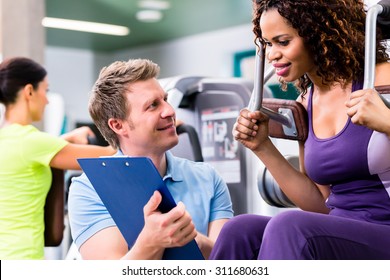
365 107
79 135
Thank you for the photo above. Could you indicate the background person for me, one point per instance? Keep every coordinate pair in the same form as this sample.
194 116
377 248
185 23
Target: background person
27 155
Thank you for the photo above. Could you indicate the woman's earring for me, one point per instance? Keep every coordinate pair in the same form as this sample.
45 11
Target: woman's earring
283 84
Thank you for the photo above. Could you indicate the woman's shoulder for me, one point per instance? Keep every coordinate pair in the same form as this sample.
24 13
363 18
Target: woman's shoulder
19 131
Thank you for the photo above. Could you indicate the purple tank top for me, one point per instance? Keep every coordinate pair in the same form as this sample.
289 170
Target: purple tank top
356 165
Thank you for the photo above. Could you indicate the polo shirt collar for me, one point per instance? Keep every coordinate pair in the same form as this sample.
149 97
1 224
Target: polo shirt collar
174 171
173 168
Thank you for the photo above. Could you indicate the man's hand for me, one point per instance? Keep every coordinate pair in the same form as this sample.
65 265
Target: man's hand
165 230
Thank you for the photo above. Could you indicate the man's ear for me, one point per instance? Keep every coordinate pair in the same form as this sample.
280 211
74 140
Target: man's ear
117 126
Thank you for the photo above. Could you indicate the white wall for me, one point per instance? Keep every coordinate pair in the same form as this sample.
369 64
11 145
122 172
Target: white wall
72 72
207 54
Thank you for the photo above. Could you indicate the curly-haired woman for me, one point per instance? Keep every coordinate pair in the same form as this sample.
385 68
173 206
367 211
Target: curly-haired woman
344 182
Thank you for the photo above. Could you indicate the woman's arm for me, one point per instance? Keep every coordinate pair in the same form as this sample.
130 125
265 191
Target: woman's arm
251 129
67 157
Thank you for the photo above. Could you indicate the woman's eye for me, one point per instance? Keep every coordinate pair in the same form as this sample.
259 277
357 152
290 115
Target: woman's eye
284 43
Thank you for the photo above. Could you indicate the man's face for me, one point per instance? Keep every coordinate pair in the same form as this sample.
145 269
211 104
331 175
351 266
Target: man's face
151 122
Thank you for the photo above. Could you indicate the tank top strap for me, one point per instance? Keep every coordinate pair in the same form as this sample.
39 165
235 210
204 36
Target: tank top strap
356 85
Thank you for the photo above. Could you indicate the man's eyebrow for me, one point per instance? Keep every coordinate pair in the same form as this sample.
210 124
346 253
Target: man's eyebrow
147 102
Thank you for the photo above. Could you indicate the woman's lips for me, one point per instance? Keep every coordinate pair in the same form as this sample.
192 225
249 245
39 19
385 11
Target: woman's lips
281 69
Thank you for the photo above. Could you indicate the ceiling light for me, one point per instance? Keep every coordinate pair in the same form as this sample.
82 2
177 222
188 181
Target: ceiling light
149 15
154 5
85 26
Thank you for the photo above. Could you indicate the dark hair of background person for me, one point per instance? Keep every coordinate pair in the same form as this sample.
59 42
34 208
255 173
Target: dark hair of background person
15 73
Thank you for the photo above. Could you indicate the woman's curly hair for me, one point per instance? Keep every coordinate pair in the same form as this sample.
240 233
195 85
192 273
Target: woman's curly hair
333 32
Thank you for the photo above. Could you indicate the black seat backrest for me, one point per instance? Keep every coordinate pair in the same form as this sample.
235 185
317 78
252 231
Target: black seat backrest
54 209
193 139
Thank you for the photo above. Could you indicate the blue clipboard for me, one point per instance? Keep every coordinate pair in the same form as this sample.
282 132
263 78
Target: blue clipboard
125 185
